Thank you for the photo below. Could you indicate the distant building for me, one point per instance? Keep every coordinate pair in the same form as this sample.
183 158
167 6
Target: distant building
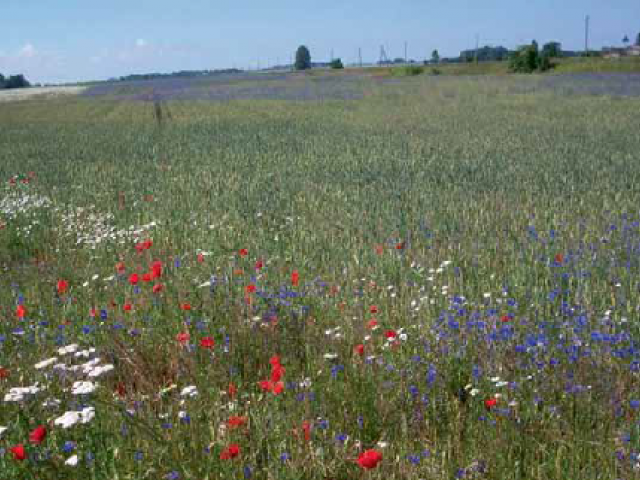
485 54
617 52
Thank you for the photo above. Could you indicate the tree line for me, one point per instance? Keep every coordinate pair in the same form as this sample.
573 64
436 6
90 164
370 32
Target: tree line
13 81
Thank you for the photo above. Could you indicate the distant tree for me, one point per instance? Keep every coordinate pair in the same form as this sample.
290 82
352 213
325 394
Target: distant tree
435 57
1 81
336 64
625 40
398 60
303 58
527 59
638 40
552 49
16 81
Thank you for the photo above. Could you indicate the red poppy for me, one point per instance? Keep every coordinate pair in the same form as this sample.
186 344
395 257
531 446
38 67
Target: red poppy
185 306
373 309
259 264
21 311
235 422
505 318
369 459
93 312
390 334
146 245
372 323
200 258
232 451
250 288
207 342
400 246
127 307
490 403
359 349
147 277
379 249
120 267
232 390
62 286
157 288
121 390
134 278
295 278
275 360
38 435
306 428
243 252
4 372
276 373
156 268
559 258
18 452
183 338
273 387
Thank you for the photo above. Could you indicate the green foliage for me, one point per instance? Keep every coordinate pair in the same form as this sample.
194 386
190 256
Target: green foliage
435 57
303 58
408 70
14 81
336 64
638 40
528 59
552 49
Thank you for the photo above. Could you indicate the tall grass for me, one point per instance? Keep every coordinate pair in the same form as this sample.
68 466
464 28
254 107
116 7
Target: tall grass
478 244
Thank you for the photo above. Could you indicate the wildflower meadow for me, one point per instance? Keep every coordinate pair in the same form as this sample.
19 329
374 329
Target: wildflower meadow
414 278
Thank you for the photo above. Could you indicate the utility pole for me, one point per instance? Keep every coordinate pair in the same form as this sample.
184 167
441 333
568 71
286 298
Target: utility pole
405 52
360 56
331 59
586 35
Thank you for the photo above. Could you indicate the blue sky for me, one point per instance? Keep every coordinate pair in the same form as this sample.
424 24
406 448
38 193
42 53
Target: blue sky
70 40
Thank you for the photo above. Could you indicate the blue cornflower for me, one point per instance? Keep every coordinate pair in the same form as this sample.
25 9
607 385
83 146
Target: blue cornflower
172 475
634 403
341 438
284 457
68 446
414 459
247 472
138 456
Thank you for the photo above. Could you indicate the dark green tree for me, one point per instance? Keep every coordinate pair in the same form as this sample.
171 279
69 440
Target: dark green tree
336 64
552 49
1 81
625 40
527 59
303 58
435 57
16 81
638 40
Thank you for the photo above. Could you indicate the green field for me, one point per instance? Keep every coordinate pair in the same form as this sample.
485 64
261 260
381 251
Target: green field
479 239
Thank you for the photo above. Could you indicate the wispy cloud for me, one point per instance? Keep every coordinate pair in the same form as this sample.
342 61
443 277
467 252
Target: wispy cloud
28 51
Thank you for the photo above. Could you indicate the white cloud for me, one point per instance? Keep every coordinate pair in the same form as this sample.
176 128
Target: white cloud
28 51
141 42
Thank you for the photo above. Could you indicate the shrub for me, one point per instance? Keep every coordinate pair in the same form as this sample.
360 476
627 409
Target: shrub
336 64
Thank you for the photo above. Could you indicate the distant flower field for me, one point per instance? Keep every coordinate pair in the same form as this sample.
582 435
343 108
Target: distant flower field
422 278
